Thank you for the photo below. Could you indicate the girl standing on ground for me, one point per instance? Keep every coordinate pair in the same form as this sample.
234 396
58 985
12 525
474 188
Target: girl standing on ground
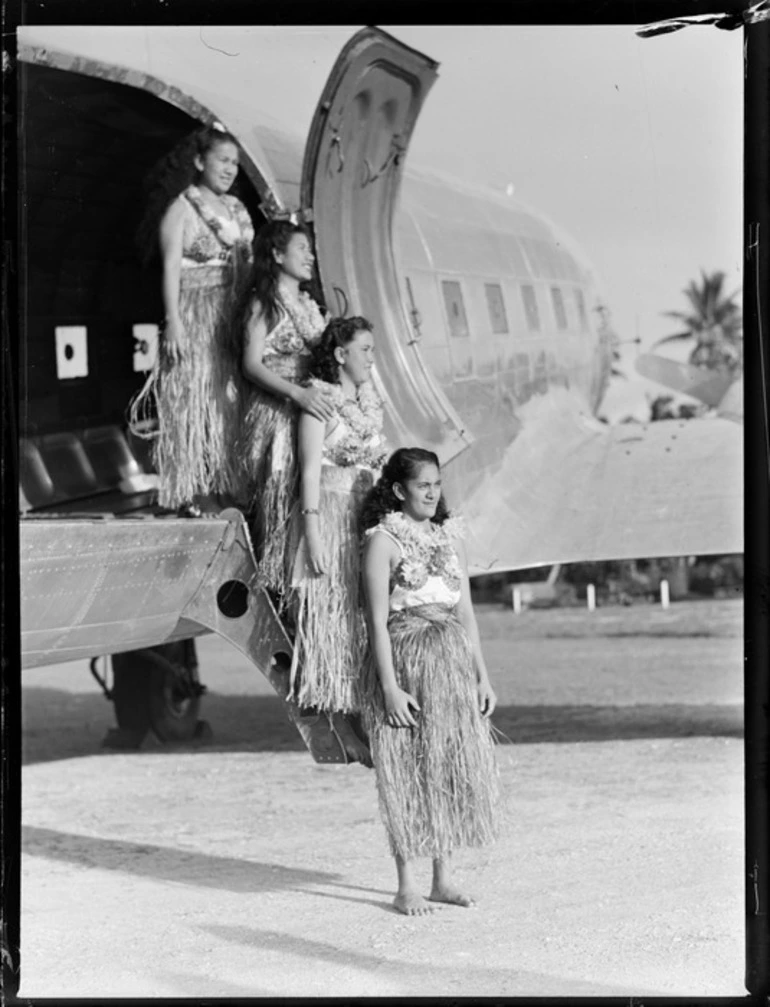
204 237
428 695
339 461
280 324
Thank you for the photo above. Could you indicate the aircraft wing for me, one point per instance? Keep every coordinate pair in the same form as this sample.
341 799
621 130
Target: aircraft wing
571 489
701 383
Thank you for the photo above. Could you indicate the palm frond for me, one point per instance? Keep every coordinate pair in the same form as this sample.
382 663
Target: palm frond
677 338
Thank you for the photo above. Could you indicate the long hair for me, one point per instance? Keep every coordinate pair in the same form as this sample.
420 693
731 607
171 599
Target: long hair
403 464
170 176
262 285
339 332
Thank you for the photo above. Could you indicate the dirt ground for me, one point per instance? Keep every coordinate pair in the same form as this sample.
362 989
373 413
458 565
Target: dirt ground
241 868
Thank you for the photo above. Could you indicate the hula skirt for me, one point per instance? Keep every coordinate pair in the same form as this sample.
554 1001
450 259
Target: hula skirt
437 783
330 642
198 397
269 478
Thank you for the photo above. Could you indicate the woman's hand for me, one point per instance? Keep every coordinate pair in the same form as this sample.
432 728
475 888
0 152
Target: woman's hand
316 401
316 558
173 339
487 697
397 708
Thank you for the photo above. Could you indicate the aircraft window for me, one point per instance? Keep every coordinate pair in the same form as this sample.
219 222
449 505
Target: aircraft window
455 308
530 307
496 306
558 307
581 308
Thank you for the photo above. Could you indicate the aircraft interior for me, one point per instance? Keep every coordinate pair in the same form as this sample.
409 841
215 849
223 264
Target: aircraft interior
89 307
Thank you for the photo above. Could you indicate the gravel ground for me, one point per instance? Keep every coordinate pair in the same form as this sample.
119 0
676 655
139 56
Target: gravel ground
241 868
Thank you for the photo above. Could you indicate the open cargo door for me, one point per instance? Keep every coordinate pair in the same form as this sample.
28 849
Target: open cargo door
350 182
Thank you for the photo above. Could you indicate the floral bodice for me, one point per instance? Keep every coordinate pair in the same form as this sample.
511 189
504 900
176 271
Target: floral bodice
354 434
213 239
297 331
429 570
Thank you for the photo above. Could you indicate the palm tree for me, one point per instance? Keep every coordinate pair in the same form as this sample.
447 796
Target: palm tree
713 323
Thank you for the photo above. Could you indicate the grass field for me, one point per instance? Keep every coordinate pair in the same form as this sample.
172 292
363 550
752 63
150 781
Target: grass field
560 675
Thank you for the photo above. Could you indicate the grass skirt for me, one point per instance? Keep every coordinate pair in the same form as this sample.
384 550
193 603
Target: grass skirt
269 476
197 397
330 642
437 783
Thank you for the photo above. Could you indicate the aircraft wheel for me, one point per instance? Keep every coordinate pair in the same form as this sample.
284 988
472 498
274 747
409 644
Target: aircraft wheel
158 688
175 691
131 680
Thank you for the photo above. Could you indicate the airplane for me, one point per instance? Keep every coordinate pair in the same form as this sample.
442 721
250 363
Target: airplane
493 349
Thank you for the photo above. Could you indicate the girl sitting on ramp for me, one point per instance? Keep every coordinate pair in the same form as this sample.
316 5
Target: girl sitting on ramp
279 324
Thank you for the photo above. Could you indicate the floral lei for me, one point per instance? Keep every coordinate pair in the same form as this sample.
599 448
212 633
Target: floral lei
426 554
364 444
306 325
193 195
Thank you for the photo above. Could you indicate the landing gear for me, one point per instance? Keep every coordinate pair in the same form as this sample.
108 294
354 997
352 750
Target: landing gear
156 689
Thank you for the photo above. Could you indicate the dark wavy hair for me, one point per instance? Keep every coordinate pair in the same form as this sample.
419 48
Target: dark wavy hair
403 464
170 176
262 284
339 332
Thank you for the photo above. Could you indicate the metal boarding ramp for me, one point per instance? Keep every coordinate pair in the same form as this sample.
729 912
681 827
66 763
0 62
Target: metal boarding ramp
105 571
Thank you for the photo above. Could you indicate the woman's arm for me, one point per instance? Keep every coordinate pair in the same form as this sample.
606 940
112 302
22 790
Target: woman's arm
311 400
171 238
310 449
467 618
380 555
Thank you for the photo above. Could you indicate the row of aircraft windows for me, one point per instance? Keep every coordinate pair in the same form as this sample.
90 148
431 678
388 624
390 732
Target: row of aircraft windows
458 320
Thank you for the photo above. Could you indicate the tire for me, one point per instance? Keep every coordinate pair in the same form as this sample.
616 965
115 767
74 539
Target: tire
175 691
158 689
131 672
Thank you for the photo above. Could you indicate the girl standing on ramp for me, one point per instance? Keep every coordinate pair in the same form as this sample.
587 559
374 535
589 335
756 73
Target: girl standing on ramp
279 324
339 462
427 692
204 237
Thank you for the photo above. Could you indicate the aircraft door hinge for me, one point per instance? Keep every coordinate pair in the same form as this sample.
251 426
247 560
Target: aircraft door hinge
397 148
342 301
335 146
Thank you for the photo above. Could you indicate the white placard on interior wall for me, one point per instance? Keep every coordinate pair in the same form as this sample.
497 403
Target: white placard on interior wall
145 346
71 351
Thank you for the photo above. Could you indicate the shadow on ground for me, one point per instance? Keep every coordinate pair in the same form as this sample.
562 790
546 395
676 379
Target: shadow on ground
60 725
441 979
244 876
169 863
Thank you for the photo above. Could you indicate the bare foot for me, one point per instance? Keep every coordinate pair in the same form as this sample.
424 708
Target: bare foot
412 904
446 893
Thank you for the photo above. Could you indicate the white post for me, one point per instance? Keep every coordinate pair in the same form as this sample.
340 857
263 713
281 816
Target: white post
664 599
591 597
516 601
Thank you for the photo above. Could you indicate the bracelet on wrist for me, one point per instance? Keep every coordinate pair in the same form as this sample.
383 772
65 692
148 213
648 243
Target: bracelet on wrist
309 510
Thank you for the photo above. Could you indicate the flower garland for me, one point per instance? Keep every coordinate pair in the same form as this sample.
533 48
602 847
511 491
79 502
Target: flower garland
240 244
300 329
427 553
362 416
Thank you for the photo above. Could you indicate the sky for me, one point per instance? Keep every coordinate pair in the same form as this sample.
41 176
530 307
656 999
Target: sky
633 146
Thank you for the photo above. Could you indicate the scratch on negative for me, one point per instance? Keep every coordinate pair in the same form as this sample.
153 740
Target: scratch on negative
215 48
